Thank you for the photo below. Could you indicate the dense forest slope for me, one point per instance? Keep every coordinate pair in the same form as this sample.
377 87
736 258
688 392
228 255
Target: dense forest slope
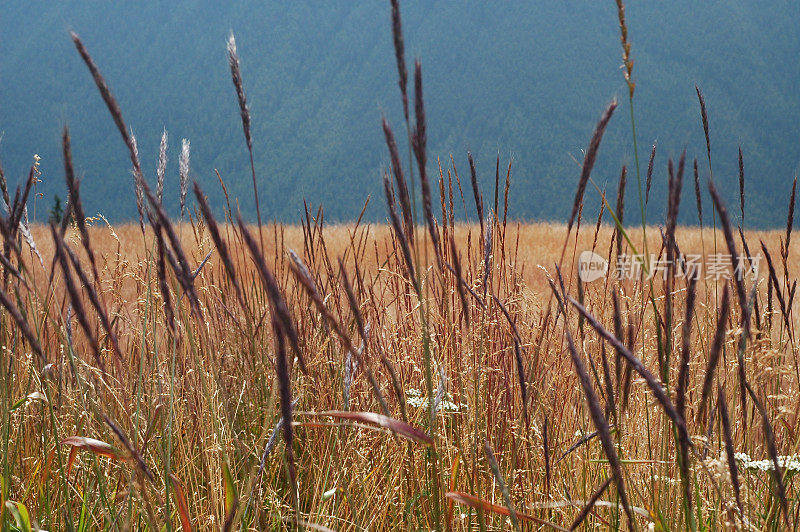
527 79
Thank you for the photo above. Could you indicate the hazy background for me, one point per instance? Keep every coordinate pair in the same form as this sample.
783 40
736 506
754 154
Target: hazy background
527 79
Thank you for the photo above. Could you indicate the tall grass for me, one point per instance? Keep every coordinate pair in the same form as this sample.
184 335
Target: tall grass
424 374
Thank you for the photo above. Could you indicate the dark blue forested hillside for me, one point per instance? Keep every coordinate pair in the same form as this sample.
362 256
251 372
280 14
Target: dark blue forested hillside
529 79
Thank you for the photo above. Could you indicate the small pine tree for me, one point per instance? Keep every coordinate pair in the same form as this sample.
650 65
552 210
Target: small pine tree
56 211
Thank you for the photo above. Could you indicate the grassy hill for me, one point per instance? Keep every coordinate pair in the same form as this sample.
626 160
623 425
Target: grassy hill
526 80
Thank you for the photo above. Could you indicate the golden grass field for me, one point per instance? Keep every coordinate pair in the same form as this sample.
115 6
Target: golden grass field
420 375
199 406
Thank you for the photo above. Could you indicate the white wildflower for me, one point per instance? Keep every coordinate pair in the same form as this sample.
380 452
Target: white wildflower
791 463
417 399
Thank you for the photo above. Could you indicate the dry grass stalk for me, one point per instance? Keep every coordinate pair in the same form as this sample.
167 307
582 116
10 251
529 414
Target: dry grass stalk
600 213
697 195
108 98
649 181
4 186
280 310
400 55
20 202
16 225
777 286
351 299
589 506
126 442
626 48
589 159
729 449
94 298
236 76
487 256
714 354
619 333
769 436
517 357
608 381
273 439
586 438
443 202
116 115
476 192
546 452
636 364
741 184
602 428
184 280
400 233
673 205
362 330
181 502
503 487
496 185
138 184
76 301
285 391
680 396
178 261
400 180
790 219
10 241
738 280
459 284
463 284
161 169
686 349
770 308
754 268
419 142
505 196
484 506
10 268
161 271
220 244
76 206
620 208
300 271
450 200
704 117
241 97
395 426
521 377
24 328
183 167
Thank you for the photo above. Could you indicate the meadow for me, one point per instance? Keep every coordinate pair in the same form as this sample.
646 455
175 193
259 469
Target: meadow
424 374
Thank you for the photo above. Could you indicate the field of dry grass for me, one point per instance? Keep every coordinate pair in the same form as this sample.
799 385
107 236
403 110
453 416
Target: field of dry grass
199 406
421 375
